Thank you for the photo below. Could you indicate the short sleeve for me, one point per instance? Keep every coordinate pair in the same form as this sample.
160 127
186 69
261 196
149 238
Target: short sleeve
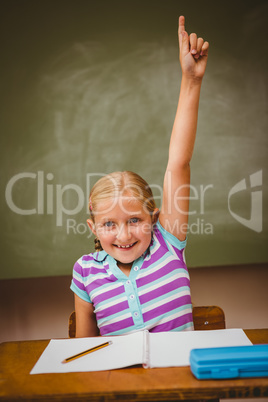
174 241
77 284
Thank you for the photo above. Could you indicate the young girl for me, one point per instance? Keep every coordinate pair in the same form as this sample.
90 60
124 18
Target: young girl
137 279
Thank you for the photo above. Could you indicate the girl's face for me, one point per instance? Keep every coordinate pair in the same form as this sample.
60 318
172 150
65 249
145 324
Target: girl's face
124 228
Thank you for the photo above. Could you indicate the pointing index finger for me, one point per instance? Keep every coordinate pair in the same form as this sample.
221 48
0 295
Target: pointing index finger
181 24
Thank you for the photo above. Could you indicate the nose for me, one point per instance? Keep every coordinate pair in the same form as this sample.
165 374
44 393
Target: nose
123 234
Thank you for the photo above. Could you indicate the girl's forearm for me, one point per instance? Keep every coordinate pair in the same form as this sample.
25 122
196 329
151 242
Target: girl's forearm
185 124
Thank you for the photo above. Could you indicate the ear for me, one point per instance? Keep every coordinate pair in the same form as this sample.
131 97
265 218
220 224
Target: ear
91 225
155 216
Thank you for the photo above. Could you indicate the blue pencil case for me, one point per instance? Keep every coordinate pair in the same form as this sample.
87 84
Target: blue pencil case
230 362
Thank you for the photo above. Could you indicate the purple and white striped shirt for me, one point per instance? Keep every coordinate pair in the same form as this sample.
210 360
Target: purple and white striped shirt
155 296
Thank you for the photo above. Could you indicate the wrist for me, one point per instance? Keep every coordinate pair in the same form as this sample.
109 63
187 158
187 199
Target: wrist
191 82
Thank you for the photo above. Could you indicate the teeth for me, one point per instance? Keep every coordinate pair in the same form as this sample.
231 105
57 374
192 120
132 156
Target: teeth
129 245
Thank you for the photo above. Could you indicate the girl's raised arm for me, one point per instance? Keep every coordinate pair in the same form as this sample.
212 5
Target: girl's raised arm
193 59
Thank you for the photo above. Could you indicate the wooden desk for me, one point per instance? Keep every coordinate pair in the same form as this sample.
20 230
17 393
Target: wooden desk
130 384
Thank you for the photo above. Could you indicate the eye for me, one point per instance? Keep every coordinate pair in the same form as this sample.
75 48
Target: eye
108 224
134 220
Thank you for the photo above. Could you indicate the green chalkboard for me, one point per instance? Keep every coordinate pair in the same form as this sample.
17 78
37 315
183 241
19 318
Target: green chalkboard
92 87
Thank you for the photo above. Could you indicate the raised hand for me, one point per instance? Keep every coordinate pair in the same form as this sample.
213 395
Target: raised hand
193 53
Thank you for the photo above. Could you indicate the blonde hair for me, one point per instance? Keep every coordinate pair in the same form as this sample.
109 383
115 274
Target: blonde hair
118 184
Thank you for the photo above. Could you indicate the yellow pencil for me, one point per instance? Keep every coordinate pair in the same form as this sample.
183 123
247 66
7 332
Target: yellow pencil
86 352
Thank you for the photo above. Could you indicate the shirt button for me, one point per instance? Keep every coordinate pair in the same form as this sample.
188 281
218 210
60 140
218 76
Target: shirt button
128 282
132 297
136 268
136 314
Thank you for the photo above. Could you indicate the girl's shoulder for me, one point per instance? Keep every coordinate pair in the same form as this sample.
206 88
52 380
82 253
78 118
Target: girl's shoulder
97 256
91 263
165 237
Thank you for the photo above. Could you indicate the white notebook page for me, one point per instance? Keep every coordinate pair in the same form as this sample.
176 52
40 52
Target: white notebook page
125 350
169 349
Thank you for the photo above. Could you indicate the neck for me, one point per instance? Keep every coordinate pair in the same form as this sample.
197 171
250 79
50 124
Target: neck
125 268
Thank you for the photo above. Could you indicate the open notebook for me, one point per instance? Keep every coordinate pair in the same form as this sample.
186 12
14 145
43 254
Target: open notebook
162 349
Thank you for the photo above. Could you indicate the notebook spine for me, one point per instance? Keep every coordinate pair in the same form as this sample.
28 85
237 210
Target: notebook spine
146 349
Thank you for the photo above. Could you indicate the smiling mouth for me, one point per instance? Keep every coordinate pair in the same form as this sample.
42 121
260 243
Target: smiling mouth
127 246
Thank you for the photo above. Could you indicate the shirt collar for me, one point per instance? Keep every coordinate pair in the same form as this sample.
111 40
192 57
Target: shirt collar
100 256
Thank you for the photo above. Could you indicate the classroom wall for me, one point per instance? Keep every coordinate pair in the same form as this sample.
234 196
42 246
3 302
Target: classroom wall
89 87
